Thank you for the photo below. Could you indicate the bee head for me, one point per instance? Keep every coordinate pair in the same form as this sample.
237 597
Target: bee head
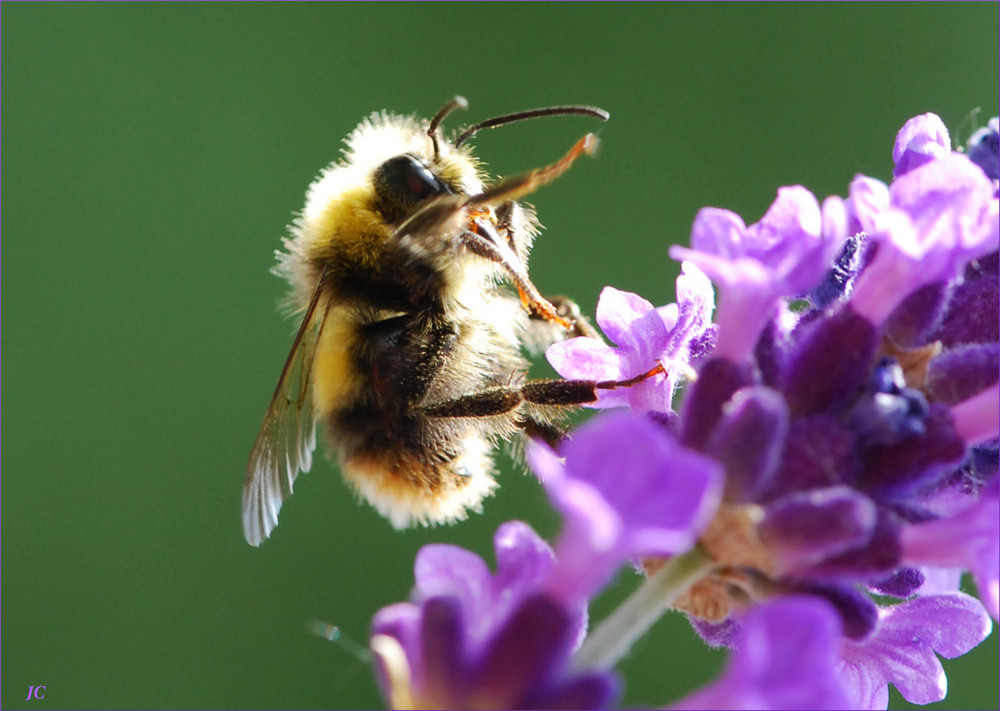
402 184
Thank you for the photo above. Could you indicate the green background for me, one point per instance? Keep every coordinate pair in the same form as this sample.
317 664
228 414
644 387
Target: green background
152 156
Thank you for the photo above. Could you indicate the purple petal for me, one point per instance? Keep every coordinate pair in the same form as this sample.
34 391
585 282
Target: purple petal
784 254
695 304
805 528
641 334
531 648
749 441
626 319
939 581
402 623
718 232
788 239
584 359
977 420
442 569
901 651
523 557
444 679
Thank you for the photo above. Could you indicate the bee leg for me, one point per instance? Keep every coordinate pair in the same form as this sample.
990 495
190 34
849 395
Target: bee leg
501 399
568 310
511 222
540 429
487 243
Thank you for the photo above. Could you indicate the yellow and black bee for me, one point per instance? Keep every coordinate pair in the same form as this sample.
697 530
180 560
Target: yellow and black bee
410 348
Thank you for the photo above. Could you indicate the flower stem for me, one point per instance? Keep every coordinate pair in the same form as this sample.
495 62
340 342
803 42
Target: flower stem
614 636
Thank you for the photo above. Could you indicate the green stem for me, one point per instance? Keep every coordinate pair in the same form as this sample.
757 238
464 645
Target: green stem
613 637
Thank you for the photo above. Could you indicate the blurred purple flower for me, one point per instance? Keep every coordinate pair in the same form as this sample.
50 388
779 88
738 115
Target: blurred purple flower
674 336
626 490
470 639
902 649
784 656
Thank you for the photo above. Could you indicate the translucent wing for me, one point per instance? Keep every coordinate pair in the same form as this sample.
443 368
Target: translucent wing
287 438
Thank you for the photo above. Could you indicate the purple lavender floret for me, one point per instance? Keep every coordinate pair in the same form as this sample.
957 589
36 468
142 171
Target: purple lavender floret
677 336
968 540
902 649
785 656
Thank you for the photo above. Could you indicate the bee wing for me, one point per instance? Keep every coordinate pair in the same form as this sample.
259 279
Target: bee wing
287 438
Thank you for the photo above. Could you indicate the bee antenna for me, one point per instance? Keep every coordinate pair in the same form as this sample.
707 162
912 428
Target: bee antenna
592 111
458 102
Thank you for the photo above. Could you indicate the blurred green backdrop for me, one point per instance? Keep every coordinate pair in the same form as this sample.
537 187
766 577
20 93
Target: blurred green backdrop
152 155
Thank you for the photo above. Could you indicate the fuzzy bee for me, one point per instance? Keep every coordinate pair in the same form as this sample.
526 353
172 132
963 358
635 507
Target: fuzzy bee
410 272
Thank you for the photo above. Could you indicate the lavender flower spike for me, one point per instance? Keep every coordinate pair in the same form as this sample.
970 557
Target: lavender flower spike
785 254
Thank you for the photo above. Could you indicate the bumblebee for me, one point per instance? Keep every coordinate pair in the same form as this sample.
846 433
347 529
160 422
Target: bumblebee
410 348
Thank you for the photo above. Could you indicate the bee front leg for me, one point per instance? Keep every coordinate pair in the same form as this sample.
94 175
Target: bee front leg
568 310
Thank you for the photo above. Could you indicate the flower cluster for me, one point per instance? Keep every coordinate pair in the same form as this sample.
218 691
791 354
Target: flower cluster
812 503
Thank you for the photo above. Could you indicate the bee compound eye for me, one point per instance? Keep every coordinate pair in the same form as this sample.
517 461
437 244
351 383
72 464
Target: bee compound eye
404 182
